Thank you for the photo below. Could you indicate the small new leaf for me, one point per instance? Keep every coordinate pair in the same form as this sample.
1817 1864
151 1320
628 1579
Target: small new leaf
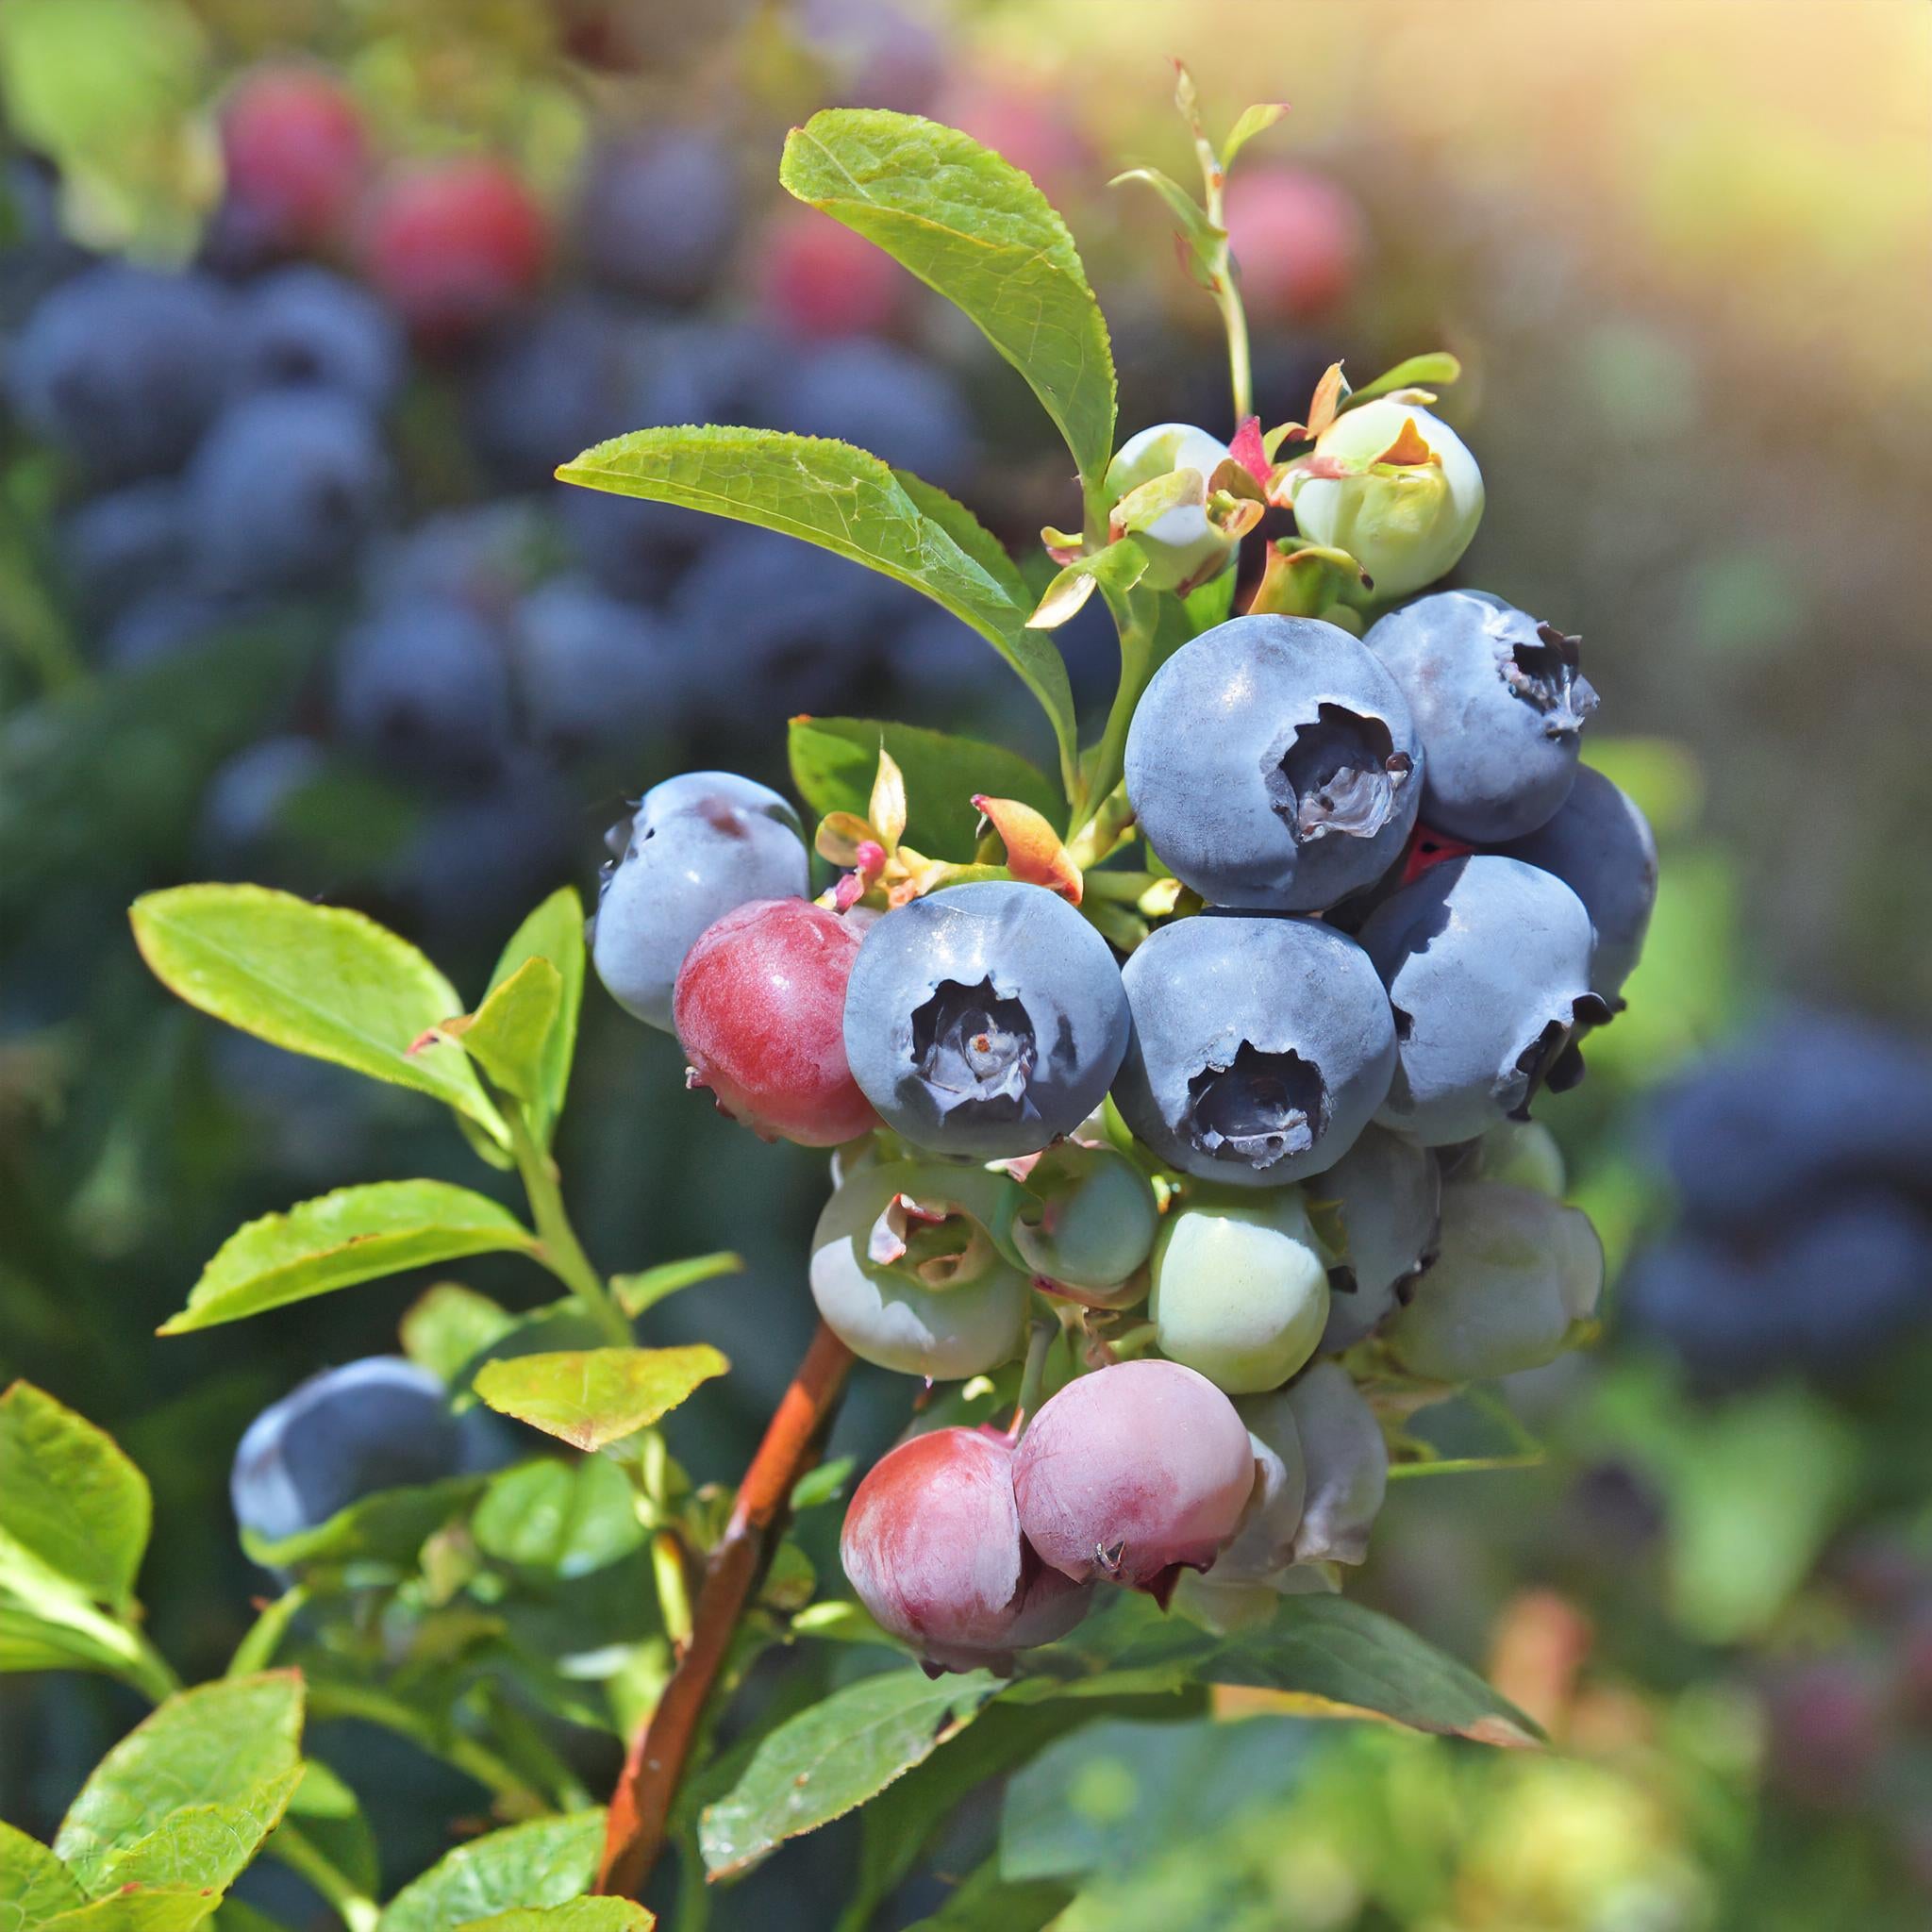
636 1292
591 1397
886 809
509 1035
1035 852
1118 567
1439 367
68 1496
1203 240
1249 122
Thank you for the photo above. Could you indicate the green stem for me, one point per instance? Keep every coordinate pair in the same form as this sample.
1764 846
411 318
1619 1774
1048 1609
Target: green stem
257 1650
353 1906
1135 616
1228 294
473 1760
562 1252
1038 1345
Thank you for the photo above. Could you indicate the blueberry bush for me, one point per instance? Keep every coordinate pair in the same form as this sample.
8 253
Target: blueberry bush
1177 1087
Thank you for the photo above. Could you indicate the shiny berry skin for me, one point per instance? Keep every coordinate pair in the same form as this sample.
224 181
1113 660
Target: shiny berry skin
699 845
1297 240
760 1009
909 1280
1601 846
932 1545
986 1019
1499 703
1134 1472
454 244
1261 1048
1514 1271
1274 766
293 146
1344 1464
1487 962
1241 1288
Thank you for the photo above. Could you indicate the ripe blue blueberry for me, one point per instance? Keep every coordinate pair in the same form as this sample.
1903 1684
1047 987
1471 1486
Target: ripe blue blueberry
305 328
1514 1273
1273 765
658 216
1344 1463
283 490
553 387
484 855
699 846
424 685
170 619
1600 845
986 1019
242 809
593 670
377 1424
910 1280
1499 705
128 543
1487 962
122 367
1388 1193
883 398
1261 1046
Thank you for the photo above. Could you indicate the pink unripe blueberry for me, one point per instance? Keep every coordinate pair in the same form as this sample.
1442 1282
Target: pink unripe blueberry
452 245
817 278
932 1545
293 148
760 1013
1297 237
1134 1472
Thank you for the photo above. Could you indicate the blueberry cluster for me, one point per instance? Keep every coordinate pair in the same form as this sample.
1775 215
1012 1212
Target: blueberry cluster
1801 1159
348 409
1281 1151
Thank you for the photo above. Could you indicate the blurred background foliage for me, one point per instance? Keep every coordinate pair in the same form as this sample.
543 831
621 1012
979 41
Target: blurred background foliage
1684 249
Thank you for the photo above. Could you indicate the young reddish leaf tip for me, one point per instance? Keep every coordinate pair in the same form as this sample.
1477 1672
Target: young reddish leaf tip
1249 451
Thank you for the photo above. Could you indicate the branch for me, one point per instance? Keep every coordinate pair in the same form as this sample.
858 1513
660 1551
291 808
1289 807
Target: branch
640 1805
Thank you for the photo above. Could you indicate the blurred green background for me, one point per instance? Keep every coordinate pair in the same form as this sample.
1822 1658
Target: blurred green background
1685 253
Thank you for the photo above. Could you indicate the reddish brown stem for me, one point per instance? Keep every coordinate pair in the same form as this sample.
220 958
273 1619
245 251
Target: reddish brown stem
640 1805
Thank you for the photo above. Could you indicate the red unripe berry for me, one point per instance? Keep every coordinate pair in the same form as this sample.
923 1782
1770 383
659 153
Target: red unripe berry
760 1009
817 278
932 1545
452 245
293 148
1297 237
1135 1473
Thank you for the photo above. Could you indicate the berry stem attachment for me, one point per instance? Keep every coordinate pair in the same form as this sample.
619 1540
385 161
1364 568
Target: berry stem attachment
562 1252
1135 616
1038 1343
640 1813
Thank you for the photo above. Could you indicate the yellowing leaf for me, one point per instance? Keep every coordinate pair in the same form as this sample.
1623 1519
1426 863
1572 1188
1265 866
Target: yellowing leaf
591 1397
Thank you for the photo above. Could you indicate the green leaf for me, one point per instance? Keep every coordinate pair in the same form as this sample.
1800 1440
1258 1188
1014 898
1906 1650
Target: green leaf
579 1915
976 229
70 1496
353 1234
316 979
1251 122
566 1518
387 1529
829 1759
833 760
589 1397
330 1818
1118 567
1119 1791
845 501
1209 604
554 931
1200 234
1438 368
42 1639
968 532
1326 1649
34 1884
549 1861
212 1745
636 1292
156 1909
207 1845
449 1325
508 1034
